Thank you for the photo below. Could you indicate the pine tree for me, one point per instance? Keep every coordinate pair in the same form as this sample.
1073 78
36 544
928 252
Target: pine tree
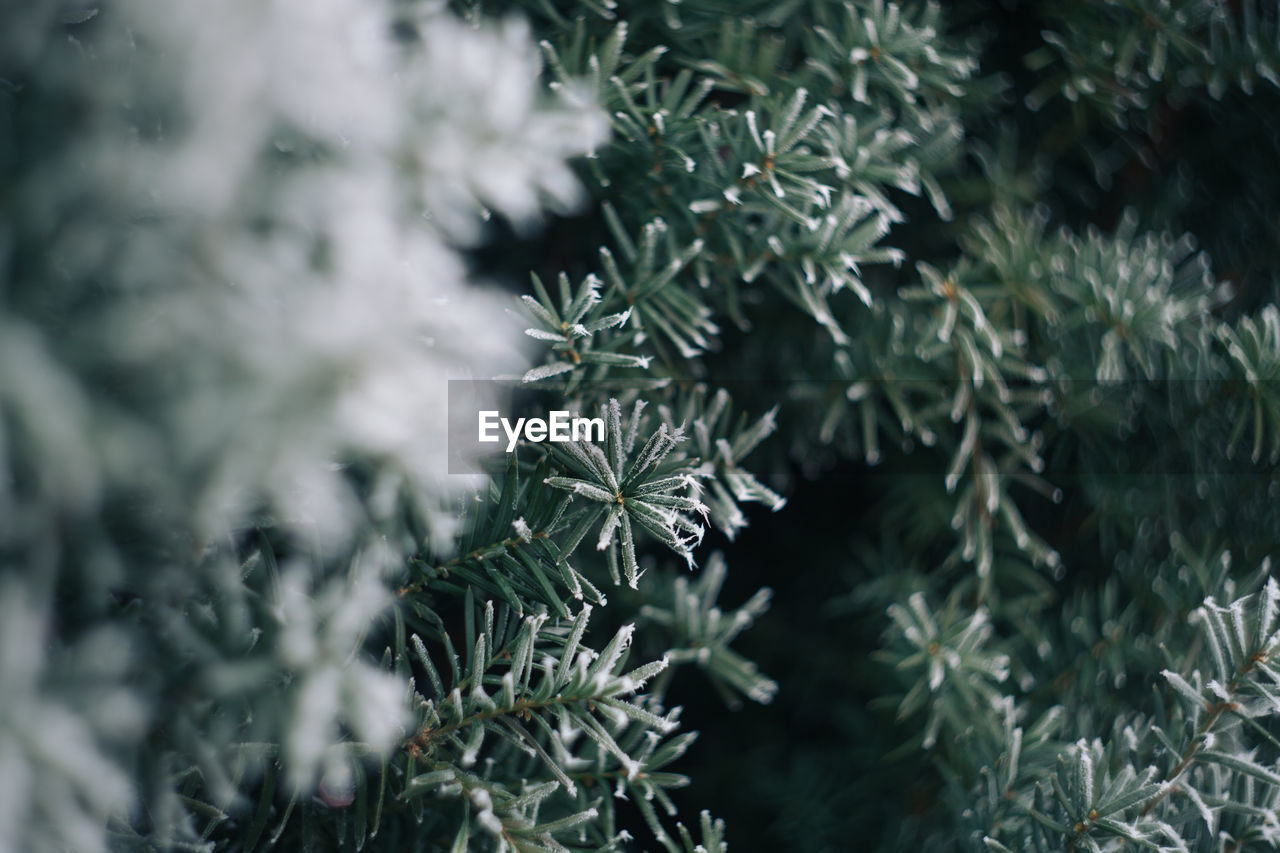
955 326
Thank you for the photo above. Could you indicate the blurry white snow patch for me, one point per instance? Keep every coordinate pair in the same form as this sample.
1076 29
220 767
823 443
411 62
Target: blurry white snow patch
240 273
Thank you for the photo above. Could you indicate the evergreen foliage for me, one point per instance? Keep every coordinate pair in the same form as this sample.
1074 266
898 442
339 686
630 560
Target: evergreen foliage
954 325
